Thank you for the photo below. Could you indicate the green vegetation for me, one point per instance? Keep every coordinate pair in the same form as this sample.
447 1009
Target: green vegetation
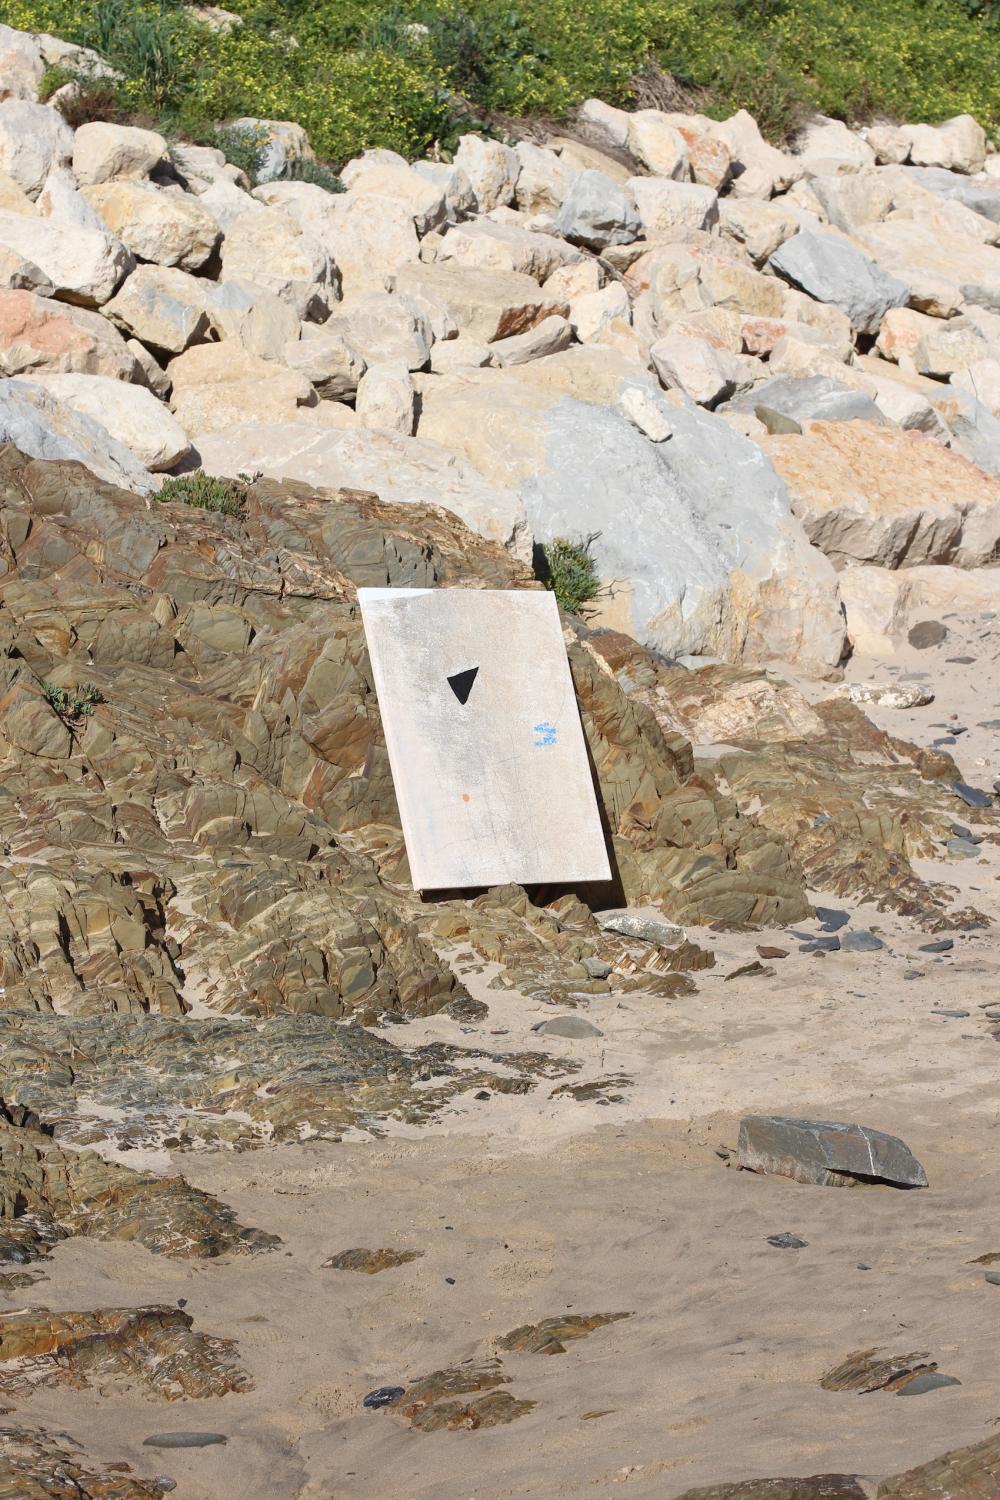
408 73
72 704
204 492
569 570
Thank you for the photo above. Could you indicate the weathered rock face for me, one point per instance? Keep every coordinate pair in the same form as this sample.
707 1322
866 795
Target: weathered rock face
41 1465
872 494
152 1348
257 789
49 1193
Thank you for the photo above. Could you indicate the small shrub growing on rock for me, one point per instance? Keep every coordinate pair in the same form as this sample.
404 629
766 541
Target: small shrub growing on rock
72 704
204 492
242 148
303 170
569 570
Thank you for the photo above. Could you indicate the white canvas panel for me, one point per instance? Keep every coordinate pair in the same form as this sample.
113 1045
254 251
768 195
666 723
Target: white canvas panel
497 787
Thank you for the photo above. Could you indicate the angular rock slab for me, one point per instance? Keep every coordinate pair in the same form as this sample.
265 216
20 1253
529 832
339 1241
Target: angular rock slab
497 787
824 1152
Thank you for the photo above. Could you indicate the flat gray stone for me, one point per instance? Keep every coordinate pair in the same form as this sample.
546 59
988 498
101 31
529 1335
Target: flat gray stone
929 1380
961 848
574 1027
183 1440
971 795
806 398
649 929
835 271
824 1152
861 941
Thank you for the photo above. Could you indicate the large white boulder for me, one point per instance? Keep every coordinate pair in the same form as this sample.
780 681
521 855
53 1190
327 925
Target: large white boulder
695 532
665 206
424 199
21 65
758 169
366 236
33 139
827 146
130 413
44 427
272 248
170 229
165 308
597 212
483 305
102 152
491 167
219 386
385 399
658 144
84 266
252 315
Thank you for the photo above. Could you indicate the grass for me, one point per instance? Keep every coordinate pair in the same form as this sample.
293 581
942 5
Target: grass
569 570
204 492
408 73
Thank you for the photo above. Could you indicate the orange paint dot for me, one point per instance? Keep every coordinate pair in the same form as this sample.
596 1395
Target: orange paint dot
465 796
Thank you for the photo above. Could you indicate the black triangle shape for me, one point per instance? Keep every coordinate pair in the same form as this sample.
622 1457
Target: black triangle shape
461 683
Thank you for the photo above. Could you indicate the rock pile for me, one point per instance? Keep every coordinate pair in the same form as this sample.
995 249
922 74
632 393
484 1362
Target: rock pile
756 373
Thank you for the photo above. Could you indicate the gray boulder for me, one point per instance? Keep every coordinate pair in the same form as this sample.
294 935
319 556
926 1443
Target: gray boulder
44 427
597 212
832 270
811 398
975 431
826 1153
982 198
695 535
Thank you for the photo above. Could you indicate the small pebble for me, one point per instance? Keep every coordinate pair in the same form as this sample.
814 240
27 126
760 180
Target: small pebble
961 661
183 1440
831 918
961 848
936 1011
597 968
942 945
913 974
993 1277
927 633
450 1280
163 1483
767 950
862 1266
930 1380
961 832
574 1027
786 1241
384 1395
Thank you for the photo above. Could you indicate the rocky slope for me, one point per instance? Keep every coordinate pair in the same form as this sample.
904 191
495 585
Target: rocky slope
768 381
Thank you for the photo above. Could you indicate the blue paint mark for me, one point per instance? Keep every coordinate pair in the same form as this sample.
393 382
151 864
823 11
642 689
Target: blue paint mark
545 732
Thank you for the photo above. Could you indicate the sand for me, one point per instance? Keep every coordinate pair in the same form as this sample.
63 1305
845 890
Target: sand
535 1206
